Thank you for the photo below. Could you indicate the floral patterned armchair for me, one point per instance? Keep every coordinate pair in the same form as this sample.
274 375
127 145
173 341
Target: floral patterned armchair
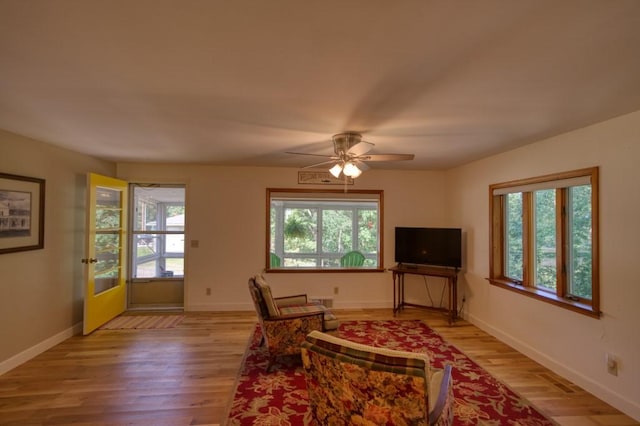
350 383
285 321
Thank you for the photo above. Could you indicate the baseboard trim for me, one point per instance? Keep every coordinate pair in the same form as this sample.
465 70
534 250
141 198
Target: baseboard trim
218 307
618 401
41 347
240 307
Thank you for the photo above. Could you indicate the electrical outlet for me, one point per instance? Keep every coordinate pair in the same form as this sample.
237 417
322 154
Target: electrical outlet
612 364
336 290
208 291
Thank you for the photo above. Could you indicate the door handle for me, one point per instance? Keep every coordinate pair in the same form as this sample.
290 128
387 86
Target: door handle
87 261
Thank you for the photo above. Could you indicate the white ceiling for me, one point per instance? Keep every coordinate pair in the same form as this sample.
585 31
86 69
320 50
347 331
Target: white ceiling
241 82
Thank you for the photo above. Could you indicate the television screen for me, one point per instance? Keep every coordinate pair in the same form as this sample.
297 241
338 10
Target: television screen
429 246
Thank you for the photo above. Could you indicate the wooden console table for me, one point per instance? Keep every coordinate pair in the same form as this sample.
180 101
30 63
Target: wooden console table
451 275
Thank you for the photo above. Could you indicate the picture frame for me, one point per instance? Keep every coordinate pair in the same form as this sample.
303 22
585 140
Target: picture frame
322 178
21 213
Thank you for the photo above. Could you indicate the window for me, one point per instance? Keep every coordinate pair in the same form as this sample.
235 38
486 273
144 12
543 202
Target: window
544 238
158 231
311 230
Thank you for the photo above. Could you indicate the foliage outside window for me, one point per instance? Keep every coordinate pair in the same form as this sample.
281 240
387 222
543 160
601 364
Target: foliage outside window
544 238
311 230
109 231
158 231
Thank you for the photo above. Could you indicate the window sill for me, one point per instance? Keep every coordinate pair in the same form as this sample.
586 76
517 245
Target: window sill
572 305
326 270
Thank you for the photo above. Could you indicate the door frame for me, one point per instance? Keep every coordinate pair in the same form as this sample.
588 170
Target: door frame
161 284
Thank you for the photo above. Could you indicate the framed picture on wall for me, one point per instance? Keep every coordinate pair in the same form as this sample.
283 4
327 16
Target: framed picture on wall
21 213
322 178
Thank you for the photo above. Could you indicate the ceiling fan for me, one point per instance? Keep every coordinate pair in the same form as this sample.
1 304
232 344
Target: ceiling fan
351 156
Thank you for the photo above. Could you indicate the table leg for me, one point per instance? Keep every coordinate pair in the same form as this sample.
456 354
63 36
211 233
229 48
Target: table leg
395 307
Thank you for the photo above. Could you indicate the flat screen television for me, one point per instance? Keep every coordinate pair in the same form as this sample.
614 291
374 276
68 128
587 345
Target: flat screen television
429 246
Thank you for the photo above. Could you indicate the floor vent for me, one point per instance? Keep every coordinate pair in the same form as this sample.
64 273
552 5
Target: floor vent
327 302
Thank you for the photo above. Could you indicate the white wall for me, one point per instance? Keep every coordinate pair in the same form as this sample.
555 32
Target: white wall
41 291
226 210
569 343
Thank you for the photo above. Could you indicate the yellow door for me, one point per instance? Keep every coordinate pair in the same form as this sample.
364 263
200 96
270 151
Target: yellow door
105 282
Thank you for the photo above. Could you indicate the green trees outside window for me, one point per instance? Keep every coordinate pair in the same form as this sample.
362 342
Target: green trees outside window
313 230
107 239
513 242
580 242
544 238
545 234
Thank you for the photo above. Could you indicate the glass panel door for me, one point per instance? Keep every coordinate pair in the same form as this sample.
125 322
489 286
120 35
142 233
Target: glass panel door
105 279
108 244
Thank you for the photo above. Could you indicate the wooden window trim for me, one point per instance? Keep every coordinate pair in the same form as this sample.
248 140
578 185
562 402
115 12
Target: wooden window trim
497 239
548 297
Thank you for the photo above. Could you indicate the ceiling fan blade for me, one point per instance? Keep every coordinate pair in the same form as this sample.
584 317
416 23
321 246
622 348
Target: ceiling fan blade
333 157
386 157
319 164
360 148
362 165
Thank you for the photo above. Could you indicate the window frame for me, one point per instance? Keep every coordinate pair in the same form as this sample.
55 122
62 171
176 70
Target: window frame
320 193
561 182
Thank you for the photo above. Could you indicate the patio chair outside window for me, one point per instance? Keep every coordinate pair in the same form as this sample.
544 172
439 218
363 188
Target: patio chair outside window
353 259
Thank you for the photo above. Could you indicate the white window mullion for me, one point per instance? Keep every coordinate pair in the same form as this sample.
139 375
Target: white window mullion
319 238
279 242
355 229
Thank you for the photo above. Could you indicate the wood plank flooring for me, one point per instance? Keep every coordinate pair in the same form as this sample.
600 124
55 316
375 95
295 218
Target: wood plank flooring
186 375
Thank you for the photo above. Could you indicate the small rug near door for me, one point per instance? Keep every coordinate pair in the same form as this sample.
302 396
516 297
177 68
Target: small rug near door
143 322
280 397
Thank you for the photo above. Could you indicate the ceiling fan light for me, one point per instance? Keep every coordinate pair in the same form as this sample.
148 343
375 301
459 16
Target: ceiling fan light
335 170
351 170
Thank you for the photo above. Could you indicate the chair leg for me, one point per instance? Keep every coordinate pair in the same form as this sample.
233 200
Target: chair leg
272 359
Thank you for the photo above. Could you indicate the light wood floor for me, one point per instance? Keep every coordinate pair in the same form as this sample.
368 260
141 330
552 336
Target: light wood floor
186 375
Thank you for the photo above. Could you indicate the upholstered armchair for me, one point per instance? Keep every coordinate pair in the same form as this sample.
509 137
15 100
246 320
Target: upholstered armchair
285 321
351 383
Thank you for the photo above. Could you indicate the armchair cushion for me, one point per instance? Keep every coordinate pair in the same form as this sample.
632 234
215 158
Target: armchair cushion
267 297
350 383
382 359
299 299
330 321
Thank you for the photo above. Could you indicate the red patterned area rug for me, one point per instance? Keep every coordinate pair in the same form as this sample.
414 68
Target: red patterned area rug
280 397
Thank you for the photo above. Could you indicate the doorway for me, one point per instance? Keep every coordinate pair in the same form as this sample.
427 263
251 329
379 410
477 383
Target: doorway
157 239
